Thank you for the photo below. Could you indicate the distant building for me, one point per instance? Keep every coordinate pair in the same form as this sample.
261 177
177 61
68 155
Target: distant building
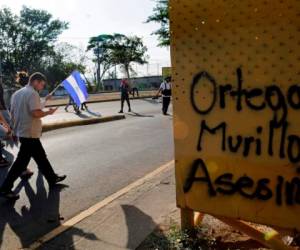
142 83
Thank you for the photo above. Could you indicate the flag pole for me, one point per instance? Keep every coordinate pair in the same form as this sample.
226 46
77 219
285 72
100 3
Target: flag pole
56 88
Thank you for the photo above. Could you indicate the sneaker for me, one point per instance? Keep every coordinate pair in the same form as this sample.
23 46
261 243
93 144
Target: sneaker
66 110
9 195
121 112
57 180
27 174
129 110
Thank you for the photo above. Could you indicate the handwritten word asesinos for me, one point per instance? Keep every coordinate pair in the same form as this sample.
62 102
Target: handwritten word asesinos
286 192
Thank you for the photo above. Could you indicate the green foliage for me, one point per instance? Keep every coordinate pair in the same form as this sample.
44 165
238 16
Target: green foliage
27 40
161 15
125 50
63 62
176 239
98 45
117 49
60 70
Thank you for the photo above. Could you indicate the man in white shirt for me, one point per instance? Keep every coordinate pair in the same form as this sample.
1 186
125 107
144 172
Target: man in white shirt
26 112
166 91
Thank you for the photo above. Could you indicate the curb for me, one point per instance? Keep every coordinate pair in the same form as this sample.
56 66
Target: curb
105 100
72 222
80 122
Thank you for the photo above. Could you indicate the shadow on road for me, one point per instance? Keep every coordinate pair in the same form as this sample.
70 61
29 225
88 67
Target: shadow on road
93 113
3 171
39 218
139 115
152 101
138 224
83 116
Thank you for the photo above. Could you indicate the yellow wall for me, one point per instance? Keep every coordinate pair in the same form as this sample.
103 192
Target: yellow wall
216 40
166 71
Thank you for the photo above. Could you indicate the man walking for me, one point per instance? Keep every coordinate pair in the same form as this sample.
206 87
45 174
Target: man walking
26 112
166 91
124 89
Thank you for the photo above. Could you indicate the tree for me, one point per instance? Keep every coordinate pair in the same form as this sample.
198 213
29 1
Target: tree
71 53
125 50
161 15
27 40
66 59
59 71
99 46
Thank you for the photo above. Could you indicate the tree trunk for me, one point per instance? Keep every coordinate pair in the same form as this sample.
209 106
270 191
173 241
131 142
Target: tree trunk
127 71
98 68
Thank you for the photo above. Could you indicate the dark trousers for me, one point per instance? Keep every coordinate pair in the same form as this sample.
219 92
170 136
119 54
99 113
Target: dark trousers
165 104
30 147
84 106
135 90
71 102
125 97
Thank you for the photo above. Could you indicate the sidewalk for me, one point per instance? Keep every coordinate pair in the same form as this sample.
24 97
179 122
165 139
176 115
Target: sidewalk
100 111
102 97
125 222
61 118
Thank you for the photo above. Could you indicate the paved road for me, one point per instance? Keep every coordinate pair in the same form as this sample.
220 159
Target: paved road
103 109
98 159
100 97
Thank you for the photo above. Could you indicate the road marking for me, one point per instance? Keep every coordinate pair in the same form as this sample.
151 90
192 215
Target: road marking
93 209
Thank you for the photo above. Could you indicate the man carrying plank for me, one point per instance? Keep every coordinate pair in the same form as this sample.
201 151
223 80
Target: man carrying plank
27 111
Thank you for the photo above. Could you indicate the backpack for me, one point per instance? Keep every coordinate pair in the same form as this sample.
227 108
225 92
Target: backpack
166 92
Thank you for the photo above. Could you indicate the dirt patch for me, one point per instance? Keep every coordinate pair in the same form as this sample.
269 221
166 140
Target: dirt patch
211 235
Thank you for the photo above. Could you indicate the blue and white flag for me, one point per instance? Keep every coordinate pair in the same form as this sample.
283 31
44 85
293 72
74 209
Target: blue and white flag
75 86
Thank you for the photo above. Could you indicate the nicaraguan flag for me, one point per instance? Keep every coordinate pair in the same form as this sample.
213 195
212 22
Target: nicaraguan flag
75 86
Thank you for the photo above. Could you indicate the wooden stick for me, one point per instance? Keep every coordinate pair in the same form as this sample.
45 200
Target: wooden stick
56 88
270 239
187 219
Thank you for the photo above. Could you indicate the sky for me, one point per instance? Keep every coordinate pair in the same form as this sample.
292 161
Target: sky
88 18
